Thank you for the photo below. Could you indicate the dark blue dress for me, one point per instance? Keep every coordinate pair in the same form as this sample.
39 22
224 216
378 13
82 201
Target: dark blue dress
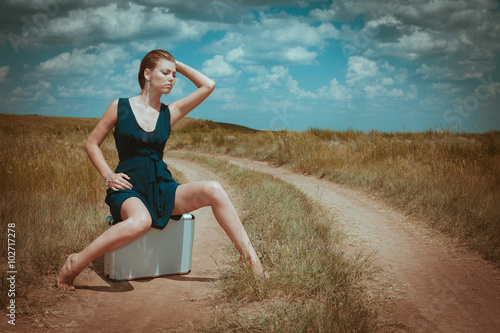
141 158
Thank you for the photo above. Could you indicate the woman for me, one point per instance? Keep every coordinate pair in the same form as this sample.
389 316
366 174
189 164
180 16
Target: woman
142 193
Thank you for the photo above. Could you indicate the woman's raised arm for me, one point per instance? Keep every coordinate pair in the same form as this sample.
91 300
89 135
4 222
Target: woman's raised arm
183 106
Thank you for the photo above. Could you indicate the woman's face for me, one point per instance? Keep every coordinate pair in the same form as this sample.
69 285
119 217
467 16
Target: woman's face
163 77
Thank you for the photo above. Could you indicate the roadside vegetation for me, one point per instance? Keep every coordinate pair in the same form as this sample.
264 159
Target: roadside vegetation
313 286
52 194
451 180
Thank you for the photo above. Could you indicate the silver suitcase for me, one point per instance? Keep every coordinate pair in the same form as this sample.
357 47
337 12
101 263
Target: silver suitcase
155 253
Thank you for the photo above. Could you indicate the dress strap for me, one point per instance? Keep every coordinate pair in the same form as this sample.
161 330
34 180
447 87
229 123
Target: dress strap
122 103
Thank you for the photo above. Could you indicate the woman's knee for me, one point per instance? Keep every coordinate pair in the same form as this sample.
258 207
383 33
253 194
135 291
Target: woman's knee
214 191
139 223
136 216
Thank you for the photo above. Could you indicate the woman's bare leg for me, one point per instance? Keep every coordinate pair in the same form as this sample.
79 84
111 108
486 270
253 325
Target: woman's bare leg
195 195
136 220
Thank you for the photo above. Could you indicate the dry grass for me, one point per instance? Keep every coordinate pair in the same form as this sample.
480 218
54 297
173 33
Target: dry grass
451 180
53 194
50 191
313 287
55 197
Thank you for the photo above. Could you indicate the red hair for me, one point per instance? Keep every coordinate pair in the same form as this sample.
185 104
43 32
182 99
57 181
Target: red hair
150 61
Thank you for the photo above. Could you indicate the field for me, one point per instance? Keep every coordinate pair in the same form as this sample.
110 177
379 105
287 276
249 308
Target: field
55 198
451 179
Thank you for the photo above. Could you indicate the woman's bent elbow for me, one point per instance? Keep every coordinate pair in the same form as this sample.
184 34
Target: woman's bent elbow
89 147
211 85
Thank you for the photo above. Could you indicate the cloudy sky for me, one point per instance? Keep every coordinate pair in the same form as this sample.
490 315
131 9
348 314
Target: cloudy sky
389 65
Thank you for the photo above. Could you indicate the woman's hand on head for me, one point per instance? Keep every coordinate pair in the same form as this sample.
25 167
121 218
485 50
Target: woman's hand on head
119 181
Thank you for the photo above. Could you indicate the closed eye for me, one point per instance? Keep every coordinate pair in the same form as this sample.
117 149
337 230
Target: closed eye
166 73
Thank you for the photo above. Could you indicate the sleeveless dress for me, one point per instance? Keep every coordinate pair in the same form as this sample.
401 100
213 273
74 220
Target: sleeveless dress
141 158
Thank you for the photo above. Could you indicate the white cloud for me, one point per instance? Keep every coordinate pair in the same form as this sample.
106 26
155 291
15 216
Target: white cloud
292 30
335 91
461 36
436 72
236 55
89 61
274 39
4 71
87 89
396 92
302 4
117 22
271 82
338 11
218 67
373 91
412 93
145 46
300 55
295 90
445 87
127 81
366 79
422 44
446 39
360 69
387 81
372 27
34 92
223 94
259 70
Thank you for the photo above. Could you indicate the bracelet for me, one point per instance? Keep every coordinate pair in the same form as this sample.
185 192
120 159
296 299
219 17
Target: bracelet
107 179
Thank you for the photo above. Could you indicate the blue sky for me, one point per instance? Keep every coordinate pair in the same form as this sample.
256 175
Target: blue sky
386 65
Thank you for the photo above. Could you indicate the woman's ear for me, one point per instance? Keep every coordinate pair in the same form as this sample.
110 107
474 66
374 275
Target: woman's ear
147 74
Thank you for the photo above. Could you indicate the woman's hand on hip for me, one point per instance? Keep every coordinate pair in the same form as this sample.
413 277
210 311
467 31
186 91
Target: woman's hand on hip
119 181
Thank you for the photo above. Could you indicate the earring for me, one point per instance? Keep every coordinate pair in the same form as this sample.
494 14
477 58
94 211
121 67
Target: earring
149 83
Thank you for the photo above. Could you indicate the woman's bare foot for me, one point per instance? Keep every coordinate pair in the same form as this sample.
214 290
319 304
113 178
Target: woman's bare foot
68 273
255 266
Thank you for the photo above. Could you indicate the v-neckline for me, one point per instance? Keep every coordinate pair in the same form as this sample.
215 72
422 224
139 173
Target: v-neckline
137 123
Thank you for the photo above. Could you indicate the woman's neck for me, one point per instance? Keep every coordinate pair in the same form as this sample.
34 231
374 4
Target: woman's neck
150 99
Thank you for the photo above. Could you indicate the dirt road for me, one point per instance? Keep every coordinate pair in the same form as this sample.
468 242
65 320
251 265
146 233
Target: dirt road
434 285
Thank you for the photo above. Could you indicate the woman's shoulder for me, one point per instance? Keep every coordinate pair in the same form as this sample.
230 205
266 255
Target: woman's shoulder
117 101
121 101
115 105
